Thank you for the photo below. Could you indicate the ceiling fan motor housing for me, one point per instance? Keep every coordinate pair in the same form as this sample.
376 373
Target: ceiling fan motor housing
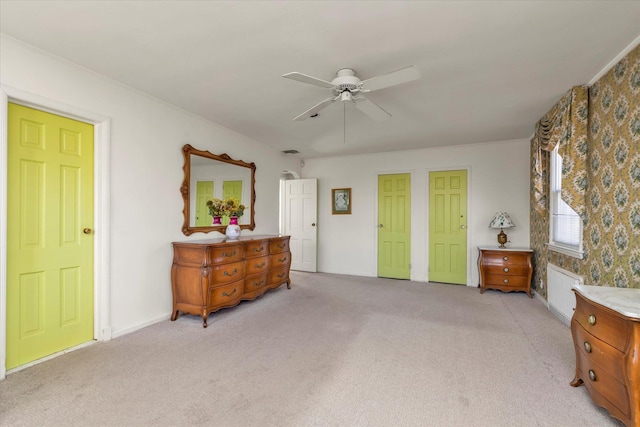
346 80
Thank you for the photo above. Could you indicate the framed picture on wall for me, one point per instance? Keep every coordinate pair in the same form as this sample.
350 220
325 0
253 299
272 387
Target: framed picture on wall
341 201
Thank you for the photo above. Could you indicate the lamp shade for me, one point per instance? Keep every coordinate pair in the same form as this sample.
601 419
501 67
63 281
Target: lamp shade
501 220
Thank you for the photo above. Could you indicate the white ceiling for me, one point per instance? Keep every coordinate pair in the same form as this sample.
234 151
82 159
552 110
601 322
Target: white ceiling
490 70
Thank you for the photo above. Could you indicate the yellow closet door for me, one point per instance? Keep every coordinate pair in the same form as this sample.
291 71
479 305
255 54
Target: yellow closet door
448 227
394 226
50 236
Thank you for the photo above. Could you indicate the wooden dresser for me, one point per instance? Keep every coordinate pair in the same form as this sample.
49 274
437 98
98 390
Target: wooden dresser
208 275
506 269
606 336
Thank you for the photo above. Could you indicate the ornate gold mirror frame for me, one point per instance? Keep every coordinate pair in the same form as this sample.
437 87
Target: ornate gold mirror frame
189 226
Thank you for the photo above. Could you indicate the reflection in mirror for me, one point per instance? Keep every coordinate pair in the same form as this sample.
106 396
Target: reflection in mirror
209 176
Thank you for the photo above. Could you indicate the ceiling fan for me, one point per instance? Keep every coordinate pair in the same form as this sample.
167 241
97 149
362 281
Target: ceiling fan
347 87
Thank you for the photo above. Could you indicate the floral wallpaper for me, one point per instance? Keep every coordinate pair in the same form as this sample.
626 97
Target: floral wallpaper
611 237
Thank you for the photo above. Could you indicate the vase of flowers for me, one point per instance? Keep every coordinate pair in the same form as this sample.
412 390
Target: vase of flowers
216 210
233 209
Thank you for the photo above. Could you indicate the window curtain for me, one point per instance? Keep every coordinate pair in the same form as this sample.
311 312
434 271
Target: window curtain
565 126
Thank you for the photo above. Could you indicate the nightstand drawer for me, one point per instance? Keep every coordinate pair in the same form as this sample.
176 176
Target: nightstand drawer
598 352
610 388
503 280
505 258
603 325
508 269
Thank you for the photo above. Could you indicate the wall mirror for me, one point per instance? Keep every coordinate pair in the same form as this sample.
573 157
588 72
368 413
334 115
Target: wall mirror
208 176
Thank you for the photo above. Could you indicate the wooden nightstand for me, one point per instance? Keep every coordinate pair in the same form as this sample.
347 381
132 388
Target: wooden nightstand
606 337
506 269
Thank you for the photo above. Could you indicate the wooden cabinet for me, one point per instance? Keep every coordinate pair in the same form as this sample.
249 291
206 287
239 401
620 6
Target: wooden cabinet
208 275
607 346
507 270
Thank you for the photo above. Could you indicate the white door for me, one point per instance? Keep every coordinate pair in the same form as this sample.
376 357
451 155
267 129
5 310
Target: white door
300 218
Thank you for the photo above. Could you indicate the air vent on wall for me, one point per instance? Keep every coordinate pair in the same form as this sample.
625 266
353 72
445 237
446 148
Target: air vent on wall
291 152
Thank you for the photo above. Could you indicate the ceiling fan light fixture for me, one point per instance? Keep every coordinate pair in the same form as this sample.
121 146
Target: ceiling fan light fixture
346 96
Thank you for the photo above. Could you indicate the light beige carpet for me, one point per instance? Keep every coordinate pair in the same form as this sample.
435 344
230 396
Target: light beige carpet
332 351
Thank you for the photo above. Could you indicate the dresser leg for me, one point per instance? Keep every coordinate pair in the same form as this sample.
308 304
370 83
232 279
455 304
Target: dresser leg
577 382
174 315
289 284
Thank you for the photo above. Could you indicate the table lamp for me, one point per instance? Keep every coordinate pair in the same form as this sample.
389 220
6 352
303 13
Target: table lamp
501 220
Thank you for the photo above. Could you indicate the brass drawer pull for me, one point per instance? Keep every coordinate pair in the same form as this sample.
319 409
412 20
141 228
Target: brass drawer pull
226 273
506 269
592 319
281 275
506 280
224 254
261 282
260 249
282 245
587 347
225 294
261 265
592 375
282 259
506 258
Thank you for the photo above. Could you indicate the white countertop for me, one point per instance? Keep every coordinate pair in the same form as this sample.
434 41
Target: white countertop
625 301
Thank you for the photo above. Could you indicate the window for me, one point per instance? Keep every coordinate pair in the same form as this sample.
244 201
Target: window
565 233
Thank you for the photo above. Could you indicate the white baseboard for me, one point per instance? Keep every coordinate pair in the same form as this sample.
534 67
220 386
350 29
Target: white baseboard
134 328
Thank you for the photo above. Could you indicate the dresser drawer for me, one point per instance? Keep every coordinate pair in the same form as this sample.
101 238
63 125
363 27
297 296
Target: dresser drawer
226 294
504 280
280 260
604 384
227 272
278 276
225 254
257 248
255 283
256 265
602 324
279 245
598 352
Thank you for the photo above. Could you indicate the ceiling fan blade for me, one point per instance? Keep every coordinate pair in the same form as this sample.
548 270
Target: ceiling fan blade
403 75
313 110
308 79
371 109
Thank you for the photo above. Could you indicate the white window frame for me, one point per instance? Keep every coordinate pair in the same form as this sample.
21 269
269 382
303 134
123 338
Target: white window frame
557 242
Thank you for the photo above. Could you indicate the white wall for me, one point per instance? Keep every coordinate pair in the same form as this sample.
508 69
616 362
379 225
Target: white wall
145 174
498 177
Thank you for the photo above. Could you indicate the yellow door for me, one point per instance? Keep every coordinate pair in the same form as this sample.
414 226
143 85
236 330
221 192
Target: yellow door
231 189
50 240
448 227
394 226
204 193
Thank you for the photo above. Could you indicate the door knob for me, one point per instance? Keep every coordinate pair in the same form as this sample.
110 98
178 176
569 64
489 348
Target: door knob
313 224
87 230
380 225
462 226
